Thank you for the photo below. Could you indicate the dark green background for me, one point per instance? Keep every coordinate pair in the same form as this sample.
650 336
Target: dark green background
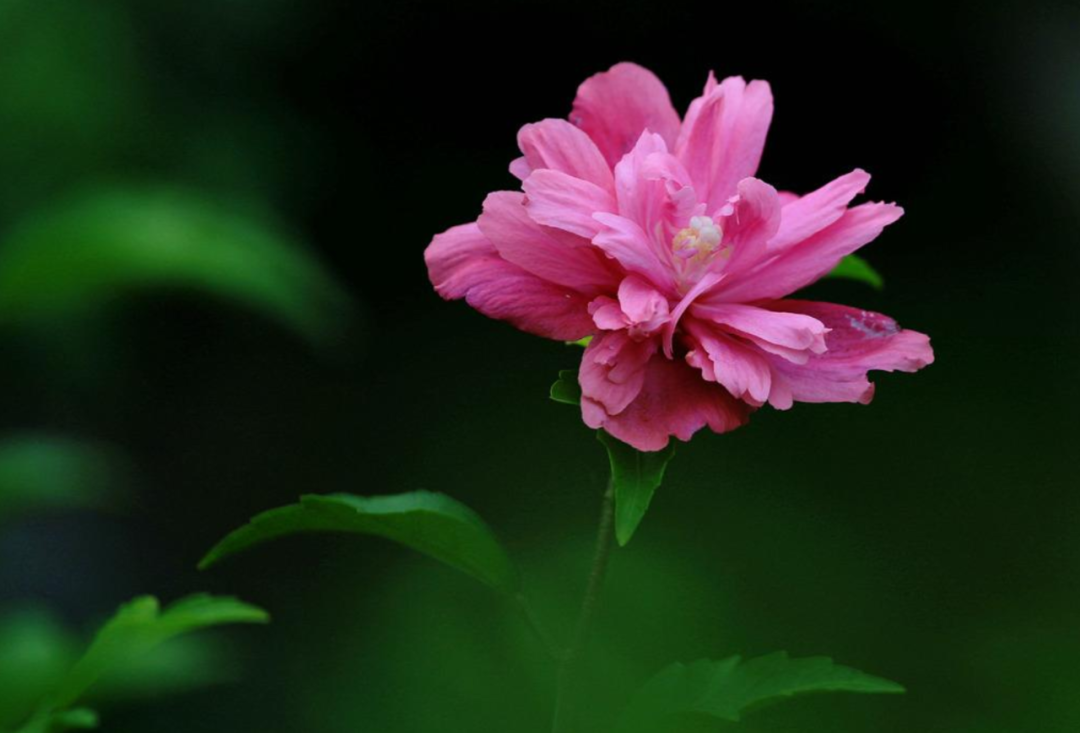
930 538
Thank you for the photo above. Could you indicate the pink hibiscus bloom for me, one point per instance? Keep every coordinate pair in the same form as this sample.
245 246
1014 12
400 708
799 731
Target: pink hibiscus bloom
651 235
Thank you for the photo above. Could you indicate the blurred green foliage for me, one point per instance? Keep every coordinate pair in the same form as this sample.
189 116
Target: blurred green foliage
43 472
930 537
43 676
90 252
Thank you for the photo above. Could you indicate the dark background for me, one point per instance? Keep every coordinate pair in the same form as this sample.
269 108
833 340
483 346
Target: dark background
929 538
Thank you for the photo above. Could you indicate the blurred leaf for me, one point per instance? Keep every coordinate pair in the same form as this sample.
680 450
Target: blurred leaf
582 342
854 267
71 96
178 665
139 627
728 688
74 719
44 472
636 476
35 653
566 389
96 249
433 524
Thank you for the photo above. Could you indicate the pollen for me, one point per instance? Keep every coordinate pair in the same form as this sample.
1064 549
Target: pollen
698 241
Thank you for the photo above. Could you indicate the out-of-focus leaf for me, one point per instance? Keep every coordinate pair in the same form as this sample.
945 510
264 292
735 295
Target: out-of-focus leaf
139 627
60 721
431 523
71 97
94 250
726 689
582 342
566 389
635 475
854 267
48 472
180 664
35 653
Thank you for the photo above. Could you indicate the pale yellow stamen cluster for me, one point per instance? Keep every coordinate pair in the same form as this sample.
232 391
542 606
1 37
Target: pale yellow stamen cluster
699 241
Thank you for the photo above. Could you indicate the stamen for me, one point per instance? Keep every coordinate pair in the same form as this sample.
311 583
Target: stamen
699 241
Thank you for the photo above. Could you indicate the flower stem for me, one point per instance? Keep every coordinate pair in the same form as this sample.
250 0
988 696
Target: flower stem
564 717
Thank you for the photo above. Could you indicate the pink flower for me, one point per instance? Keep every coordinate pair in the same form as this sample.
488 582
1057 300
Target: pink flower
652 235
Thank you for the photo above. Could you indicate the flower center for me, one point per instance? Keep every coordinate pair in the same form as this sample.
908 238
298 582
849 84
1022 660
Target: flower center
699 241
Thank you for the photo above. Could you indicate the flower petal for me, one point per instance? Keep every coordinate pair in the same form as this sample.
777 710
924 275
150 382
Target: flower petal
623 240
558 145
614 107
809 214
673 401
724 135
743 370
858 342
462 263
613 369
560 258
811 259
753 220
793 336
559 200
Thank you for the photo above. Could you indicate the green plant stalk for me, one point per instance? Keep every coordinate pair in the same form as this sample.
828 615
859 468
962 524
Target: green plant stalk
564 717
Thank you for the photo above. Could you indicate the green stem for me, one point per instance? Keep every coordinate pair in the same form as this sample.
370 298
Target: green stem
565 702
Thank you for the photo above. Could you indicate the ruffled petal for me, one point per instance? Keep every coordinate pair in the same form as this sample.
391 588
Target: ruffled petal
462 263
560 258
614 107
613 370
807 215
724 135
858 342
558 145
749 222
623 240
674 400
813 258
559 200
743 370
792 336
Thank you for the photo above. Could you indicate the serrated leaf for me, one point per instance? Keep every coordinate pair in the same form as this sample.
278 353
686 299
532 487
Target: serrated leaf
94 250
566 389
854 267
433 524
635 475
137 628
728 688
55 473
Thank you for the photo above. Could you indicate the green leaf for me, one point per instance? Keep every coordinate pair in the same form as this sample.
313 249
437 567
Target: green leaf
433 524
854 267
180 664
635 475
99 248
582 342
73 719
48 472
64 720
138 628
36 653
566 389
728 688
